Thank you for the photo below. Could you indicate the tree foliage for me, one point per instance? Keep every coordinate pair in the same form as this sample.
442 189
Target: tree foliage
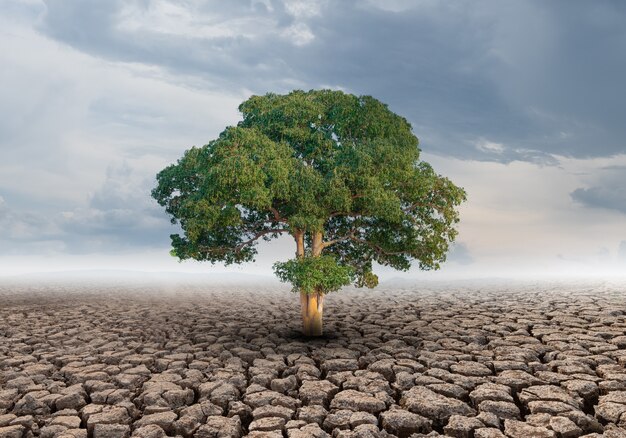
322 163
314 274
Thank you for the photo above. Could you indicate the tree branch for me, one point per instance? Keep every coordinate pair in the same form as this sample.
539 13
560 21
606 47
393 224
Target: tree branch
339 239
377 248
343 213
257 236
242 245
277 216
340 213
420 204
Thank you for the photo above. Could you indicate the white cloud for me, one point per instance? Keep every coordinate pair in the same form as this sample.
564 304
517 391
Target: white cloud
81 146
399 6
520 215
301 9
23 227
299 34
485 145
67 124
167 18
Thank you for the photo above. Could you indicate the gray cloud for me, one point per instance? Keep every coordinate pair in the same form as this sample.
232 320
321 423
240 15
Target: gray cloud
459 253
26 232
538 78
609 192
621 250
22 225
120 216
612 198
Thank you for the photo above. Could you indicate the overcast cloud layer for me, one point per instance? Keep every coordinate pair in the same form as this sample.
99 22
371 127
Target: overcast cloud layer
522 103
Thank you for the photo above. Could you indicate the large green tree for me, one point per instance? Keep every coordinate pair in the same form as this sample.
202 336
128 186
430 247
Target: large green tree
339 173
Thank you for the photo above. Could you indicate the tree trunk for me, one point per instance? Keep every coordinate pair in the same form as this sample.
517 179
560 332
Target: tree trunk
313 304
312 307
317 244
299 236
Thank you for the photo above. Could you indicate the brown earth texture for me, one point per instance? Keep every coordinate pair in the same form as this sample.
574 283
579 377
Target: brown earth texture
461 360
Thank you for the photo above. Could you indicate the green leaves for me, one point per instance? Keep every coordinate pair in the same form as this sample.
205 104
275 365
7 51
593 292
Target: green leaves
223 193
314 274
317 161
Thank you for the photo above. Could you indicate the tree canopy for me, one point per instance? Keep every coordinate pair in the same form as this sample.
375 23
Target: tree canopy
338 172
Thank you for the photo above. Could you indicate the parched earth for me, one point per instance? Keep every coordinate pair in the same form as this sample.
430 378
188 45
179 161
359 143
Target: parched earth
483 361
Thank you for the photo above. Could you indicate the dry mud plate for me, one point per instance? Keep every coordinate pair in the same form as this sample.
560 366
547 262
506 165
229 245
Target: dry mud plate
540 360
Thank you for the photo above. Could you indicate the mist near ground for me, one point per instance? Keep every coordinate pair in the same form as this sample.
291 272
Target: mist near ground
225 283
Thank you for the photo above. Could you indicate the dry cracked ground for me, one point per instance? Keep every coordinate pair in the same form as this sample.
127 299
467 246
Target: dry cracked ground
531 360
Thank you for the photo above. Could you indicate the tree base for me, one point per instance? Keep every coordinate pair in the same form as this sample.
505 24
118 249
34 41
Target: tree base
312 306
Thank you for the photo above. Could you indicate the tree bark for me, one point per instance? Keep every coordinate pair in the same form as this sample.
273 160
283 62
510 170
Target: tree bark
299 236
317 244
312 306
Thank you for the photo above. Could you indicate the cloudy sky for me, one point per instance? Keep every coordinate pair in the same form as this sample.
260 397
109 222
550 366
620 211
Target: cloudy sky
522 103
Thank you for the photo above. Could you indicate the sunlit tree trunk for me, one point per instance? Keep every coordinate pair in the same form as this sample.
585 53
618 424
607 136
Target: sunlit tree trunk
312 305
317 244
299 236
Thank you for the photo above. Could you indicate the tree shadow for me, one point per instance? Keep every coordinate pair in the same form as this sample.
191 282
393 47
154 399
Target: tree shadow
297 335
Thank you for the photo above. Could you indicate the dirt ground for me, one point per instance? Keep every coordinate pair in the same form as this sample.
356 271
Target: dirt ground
462 360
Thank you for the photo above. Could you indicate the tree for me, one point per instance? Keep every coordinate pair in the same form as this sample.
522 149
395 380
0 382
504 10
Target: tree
339 173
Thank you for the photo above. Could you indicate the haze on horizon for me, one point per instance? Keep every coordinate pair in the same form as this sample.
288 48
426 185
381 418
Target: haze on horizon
520 103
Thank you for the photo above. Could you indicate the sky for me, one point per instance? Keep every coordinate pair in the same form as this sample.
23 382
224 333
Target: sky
521 103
